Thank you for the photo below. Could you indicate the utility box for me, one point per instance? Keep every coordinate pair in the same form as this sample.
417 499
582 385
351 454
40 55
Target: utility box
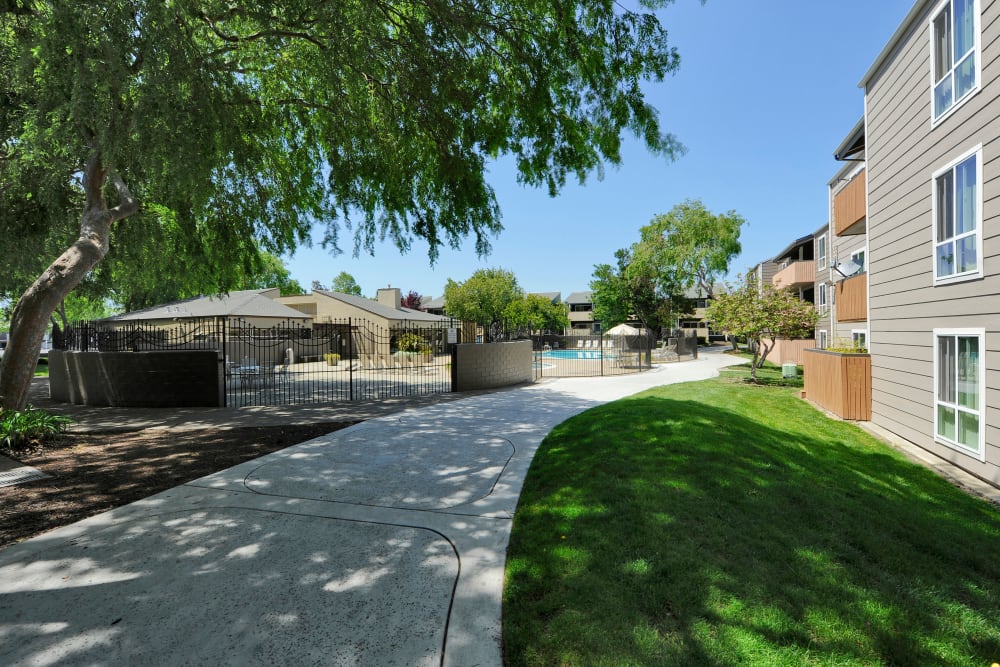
789 370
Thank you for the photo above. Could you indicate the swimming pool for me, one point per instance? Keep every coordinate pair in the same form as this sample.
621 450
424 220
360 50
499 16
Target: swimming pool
578 354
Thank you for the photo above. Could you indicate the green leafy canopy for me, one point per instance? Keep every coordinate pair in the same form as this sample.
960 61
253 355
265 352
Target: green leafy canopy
259 120
226 129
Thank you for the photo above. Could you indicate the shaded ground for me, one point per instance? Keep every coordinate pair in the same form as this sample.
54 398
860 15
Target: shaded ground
94 472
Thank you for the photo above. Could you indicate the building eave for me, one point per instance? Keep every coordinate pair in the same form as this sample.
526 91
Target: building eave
918 8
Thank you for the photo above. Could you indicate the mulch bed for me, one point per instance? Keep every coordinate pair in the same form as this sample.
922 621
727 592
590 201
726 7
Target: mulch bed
93 472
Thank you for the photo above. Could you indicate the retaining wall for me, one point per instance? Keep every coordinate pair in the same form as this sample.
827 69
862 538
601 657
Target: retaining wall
491 365
189 378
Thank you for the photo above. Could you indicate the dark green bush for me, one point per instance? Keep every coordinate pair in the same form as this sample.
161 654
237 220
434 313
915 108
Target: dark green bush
18 428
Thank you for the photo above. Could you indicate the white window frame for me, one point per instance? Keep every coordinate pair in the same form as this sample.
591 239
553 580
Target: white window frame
822 305
821 257
859 332
822 340
981 380
862 264
968 275
976 52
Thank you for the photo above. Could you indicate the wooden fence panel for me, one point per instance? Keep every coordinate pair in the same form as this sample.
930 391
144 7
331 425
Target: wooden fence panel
840 383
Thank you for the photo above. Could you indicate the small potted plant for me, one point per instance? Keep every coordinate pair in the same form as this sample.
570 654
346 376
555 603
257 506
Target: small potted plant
331 358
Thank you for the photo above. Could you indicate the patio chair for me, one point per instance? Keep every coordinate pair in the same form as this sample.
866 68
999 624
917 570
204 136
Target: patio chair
579 343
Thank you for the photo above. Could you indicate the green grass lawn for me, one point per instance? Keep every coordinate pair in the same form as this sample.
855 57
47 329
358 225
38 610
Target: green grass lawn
721 523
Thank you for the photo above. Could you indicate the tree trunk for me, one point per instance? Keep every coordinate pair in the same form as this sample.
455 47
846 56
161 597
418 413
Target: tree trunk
31 314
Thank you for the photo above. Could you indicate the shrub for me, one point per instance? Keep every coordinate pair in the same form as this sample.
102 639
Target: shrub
411 342
331 358
848 347
18 429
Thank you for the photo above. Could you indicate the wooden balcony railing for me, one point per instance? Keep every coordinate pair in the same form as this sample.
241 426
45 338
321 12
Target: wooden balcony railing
795 274
852 299
840 383
849 207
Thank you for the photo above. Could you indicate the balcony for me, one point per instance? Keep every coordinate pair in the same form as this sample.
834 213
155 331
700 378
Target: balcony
849 208
796 274
852 299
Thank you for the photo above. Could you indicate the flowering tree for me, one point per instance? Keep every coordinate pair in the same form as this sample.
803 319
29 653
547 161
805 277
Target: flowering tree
413 300
763 314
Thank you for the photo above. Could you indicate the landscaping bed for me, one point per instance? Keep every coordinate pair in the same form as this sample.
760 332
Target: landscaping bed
91 473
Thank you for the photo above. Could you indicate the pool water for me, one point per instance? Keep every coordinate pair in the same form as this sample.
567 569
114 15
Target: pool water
578 354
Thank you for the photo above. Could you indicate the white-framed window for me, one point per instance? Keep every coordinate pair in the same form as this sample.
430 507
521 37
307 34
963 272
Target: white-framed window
957 215
859 339
821 251
959 387
955 57
858 258
821 302
822 339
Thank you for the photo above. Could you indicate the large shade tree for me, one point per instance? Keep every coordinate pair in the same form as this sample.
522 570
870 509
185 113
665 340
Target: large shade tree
689 247
631 290
534 312
345 283
241 125
484 298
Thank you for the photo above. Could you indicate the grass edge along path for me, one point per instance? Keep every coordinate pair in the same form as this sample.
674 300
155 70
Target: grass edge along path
720 523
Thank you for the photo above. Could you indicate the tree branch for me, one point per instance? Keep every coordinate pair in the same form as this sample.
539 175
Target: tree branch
127 204
94 177
263 34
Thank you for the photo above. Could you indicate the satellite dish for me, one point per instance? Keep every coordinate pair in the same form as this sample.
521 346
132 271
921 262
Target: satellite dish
847 269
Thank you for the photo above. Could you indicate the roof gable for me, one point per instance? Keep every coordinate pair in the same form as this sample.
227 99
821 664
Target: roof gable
243 303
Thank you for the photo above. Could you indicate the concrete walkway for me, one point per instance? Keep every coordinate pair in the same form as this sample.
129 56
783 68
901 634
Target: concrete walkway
381 544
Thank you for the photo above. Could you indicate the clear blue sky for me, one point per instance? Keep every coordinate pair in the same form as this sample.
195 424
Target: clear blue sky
765 92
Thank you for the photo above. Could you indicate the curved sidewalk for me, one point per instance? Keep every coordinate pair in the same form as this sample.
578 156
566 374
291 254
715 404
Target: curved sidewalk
379 544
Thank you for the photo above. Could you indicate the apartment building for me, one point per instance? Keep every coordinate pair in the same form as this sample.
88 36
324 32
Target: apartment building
823 290
848 243
581 315
695 322
932 183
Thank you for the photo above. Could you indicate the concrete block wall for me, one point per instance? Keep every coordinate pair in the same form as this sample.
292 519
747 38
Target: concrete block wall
188 378
491 365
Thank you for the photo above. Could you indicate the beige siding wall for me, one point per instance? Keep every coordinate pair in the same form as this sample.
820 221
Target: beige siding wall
325 309
904 151
844 247
823 278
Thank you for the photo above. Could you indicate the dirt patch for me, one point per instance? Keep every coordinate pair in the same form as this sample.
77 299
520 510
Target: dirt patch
94 472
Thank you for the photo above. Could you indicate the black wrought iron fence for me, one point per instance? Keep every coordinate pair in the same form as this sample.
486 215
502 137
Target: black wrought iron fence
569 356
557 355
288 362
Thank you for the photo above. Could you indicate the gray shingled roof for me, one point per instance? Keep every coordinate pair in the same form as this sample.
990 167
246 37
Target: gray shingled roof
375 308
551 296
436 303
245 303
580 297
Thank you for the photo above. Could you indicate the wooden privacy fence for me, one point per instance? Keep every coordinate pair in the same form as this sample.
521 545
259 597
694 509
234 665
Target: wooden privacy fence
839 382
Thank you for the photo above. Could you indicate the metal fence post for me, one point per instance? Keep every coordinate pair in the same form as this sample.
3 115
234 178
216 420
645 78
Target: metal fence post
350 360
225 368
